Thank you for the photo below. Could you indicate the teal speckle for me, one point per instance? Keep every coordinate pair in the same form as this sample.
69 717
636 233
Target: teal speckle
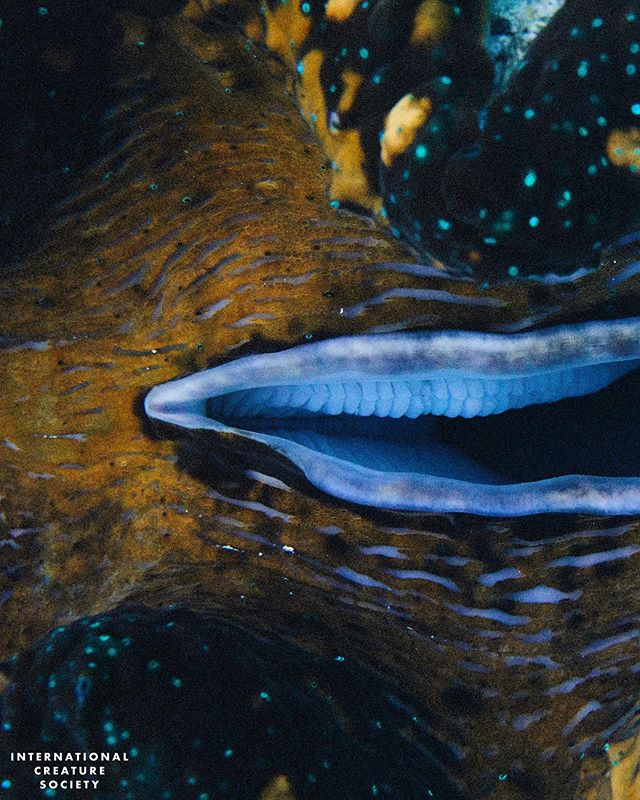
6 783
530 179
444 224
421 151
635 109
43 11
534 222
364 53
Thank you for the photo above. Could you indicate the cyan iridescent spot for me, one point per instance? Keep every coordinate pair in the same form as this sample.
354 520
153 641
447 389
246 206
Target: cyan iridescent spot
449 421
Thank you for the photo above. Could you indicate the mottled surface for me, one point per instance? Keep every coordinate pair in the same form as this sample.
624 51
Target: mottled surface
200 229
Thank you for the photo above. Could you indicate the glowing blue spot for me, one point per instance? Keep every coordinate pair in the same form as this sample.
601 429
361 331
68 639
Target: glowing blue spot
108 727
490 240
530 179
265 696
634 48
513 272
631 17
334 203
598 22
583 131
376 79
635 109
592 169
444 224
112 740
364 53
228 753
446 80
406 175
333 88
534 222
306 8
602 121
339 658
154 188
631 69
421 151
529 113
6 783
583 69
176 682
503 776
6 726
43 11
300 68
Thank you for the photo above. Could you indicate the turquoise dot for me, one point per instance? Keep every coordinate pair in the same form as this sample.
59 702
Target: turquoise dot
228 753
152 666
631 69
376 79
306 8
176 682
6 783
447 80
635 109
583 69
634 48
334 203
444 224
513 272
530 179
43 11
529 113
153 187
421 151
598 22
364 53
300 68
534 222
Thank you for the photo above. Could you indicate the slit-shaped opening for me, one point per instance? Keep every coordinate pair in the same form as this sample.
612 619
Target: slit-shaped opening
592 434
454 421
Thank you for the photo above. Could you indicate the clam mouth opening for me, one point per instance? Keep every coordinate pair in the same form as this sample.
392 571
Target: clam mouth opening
489 424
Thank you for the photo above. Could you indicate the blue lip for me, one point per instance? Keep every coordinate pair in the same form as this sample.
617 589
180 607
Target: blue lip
363 416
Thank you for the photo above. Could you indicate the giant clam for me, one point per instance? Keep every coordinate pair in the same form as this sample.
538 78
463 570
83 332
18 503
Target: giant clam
193 230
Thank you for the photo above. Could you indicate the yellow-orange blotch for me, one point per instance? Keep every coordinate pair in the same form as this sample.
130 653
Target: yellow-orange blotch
287 30
401 125
351 81
349 182
431 23
340 10
623 149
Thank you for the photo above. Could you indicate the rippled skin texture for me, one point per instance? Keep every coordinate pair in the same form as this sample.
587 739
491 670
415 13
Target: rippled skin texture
125 283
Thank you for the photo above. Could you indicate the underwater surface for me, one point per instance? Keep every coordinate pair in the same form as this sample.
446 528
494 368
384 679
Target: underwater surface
319 460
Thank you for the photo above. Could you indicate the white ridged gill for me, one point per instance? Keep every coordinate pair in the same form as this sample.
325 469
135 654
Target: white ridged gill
454 395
